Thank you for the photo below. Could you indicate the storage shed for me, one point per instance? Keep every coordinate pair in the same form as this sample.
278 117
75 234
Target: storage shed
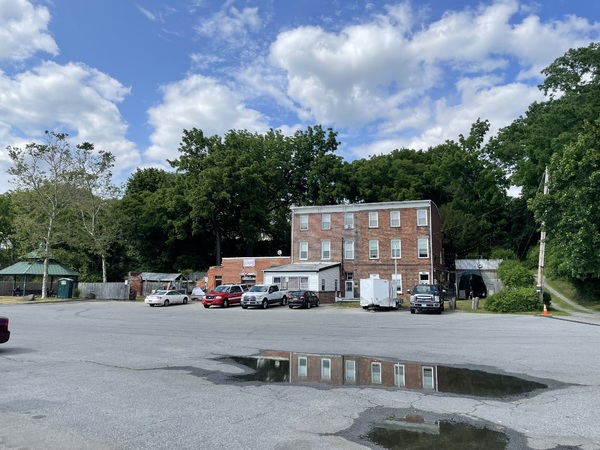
477 276
143 283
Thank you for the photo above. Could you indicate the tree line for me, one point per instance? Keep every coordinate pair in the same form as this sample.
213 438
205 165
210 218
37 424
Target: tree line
231 195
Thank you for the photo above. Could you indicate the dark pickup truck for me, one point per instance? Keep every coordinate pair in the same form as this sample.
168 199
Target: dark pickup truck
427 297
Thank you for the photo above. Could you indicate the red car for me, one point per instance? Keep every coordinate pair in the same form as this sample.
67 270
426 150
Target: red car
224 295
4 333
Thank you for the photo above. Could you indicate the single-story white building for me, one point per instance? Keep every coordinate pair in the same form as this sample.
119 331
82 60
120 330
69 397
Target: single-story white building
322 278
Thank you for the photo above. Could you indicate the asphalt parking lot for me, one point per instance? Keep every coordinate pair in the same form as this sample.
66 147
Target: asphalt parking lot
122 375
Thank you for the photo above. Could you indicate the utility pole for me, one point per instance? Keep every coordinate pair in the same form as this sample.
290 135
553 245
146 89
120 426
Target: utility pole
540 281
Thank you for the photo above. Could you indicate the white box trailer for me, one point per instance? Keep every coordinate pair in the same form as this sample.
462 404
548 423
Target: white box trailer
378 293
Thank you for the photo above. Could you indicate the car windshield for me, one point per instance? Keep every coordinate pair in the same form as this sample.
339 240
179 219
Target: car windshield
259 288
423 289
222 288
160 292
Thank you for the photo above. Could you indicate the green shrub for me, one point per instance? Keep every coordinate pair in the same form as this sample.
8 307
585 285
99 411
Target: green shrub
76 293
509 300
514 274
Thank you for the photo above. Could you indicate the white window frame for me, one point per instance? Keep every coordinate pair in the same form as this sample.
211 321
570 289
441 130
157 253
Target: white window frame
399 375
350 374
424 277
348 249
422 219
303 222
395 219
325 369
374 245
303 283
420 247
325 221
326 250
348 221
429 379
373 219
303 249
397 277
302 367
376 373
396 253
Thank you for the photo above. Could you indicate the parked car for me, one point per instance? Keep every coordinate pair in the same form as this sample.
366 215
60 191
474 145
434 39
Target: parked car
264 295
166 298
303 299
197 294
4 333
224 295
427 297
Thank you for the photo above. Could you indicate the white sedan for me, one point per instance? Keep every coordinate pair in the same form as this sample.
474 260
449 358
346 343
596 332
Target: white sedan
166 298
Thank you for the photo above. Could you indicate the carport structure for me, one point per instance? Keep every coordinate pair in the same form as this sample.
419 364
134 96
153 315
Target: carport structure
27 271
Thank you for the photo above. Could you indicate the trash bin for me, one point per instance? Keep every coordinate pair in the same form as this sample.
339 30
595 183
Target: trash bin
65 288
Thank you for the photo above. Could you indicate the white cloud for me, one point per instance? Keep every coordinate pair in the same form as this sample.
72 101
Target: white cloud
416 85
24 30
197 102
70 98
231 23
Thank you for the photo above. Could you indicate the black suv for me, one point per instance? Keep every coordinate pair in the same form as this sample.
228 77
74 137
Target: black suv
427 297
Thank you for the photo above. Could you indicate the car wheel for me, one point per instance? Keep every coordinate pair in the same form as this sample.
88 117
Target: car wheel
290 306
412 311
308 304
284 301
185 300
225 304
166 303
206 306
318 303
265 304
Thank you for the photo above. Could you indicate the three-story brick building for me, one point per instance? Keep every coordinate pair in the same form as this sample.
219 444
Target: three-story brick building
341 244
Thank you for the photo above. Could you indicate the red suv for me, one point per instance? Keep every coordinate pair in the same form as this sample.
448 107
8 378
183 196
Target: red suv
224 295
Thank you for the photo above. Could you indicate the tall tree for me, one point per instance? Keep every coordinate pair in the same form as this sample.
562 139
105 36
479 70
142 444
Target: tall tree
95 189
48 170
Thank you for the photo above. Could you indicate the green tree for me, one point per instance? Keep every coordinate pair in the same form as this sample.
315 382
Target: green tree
47 170
570 210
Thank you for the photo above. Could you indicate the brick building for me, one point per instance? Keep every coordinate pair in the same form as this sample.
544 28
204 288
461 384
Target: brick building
242 270
399 241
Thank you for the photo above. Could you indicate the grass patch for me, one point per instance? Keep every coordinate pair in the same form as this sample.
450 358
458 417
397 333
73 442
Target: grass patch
343 304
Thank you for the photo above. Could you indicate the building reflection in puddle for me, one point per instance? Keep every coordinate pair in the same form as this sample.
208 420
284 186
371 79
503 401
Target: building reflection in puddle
355 370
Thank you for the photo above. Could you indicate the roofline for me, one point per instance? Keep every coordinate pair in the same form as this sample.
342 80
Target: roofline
353 207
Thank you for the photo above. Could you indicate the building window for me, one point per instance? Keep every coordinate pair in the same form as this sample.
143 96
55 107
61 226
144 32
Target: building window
399 379
373 219
376 373
292 284
396 251
397 280
325 221
348 249
424 277
350 370
325 250
303 250
302 367
323 284
304 283
325 369
348 221
304 221
373 249
277 281
423 248
428 378
335 285
421 217
394 219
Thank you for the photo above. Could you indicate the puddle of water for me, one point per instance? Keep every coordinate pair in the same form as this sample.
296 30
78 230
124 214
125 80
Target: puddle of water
416 433
354 370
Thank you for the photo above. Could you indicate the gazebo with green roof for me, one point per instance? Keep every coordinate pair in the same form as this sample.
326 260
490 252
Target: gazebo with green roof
34 268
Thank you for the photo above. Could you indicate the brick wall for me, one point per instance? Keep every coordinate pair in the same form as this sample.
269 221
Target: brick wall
243 270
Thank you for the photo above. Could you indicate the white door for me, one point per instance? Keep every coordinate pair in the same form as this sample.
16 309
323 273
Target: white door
349 289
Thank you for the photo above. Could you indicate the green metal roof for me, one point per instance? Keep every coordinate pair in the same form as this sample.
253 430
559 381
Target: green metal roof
33 268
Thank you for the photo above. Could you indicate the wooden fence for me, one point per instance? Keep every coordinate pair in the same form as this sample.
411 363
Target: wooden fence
106 291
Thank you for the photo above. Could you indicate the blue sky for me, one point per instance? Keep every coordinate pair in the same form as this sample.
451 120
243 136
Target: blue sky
131 76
